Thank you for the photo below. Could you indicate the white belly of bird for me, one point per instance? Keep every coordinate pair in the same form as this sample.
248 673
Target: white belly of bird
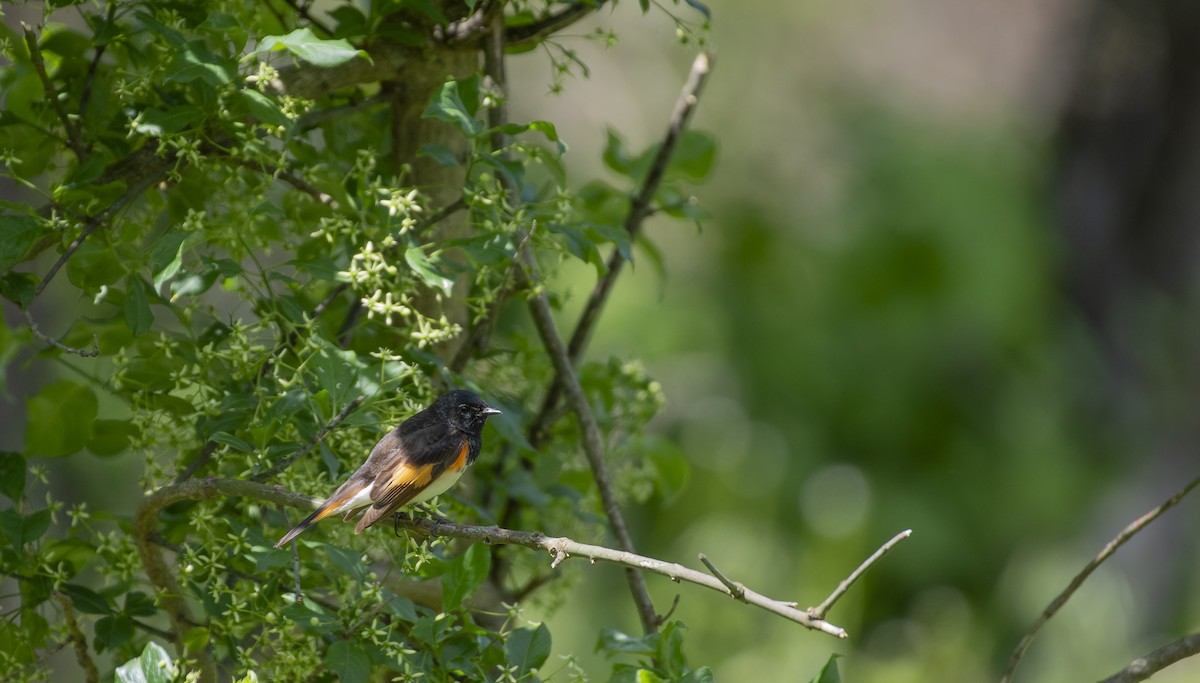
435 488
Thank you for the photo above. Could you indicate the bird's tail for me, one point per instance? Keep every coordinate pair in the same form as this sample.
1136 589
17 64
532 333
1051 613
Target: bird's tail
330 507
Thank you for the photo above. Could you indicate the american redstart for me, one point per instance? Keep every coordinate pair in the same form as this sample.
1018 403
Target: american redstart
419 459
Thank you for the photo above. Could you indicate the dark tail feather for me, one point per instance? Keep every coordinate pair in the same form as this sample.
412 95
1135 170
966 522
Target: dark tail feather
321 513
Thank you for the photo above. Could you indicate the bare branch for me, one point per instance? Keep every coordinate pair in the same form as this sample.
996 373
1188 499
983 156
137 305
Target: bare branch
312 443
736 589
1119 540
149 178
1146 666
91 352
639 209
820 611
287 176
78 640
593 444
39 65
559 547
535 32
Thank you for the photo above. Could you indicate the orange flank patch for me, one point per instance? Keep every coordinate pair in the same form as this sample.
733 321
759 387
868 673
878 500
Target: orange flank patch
461 461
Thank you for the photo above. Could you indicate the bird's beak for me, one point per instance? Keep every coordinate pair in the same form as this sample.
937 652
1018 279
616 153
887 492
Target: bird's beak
491 411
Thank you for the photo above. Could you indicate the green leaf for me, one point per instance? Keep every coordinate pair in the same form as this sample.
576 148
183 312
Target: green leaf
700 7
60 419
167 257
72 551
349 660
427 268
264 108
113 631
693 155
227 439
349 561
18 287
304 44
669 653
152 666
465 575
138 604
701 675
86 600
613 642
156 122
196 638
138 315
615 156
196 62
452 103
21 529
829 672
92 168
528 648
110 437
12 475
17 236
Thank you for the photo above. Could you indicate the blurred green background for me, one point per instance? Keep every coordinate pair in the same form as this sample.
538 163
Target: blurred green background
923 300
947 284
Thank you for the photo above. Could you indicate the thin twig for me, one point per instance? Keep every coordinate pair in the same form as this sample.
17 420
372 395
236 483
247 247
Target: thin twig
1146 666
288 177
535 32
90 78
135 190
39 65
1127 533
312 443
560 548
201 459
78 640
37 332
820 611
639 208
736 589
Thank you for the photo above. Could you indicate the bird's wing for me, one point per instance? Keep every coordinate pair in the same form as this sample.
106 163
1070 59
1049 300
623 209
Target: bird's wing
408 475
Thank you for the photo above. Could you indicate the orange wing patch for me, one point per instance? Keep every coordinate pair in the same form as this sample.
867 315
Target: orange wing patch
407 476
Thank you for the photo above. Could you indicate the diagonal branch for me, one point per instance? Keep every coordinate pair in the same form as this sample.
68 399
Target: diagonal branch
593 446
639 209
820 611
1144 667
39 65
547 26
137 186
560 548
312 443
1127 533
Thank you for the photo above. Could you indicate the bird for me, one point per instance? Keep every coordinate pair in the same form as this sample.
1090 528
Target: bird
421 458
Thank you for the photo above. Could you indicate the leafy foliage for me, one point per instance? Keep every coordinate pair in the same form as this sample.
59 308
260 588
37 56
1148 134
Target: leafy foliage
248 263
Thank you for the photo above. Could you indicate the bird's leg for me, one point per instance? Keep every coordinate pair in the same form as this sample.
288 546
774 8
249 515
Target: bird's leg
396 517
438 520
